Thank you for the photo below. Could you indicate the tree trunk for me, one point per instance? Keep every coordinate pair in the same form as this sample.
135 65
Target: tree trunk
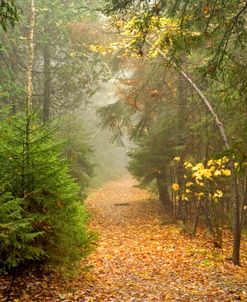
29 101
163 192
237 219
181 142
47 84
30 57
198 213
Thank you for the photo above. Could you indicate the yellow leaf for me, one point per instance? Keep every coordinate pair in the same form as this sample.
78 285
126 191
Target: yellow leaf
175 187
217 173
226 172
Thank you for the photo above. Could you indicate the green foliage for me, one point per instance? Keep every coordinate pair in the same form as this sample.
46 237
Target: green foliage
17 235
34 173
113 6
8 13
116 116
76 150
154 152
67 74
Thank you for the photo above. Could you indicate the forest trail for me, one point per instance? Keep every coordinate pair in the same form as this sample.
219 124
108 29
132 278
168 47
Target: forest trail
140 258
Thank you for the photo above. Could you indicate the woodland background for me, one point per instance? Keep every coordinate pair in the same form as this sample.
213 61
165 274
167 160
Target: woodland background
89 89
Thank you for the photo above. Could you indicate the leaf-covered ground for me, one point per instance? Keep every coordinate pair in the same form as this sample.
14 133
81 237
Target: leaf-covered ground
141 258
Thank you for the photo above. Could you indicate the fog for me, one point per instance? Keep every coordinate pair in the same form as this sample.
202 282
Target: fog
110 157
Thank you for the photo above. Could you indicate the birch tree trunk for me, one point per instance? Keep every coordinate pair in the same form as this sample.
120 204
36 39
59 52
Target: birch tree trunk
30 56
26 175
47 71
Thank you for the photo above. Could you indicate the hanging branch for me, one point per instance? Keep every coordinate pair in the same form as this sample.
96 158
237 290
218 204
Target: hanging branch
202 96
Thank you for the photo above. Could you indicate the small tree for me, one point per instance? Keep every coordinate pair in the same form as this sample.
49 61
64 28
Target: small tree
44 194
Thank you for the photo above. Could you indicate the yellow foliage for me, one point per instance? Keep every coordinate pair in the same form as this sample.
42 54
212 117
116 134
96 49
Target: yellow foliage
184 197
226 172
199 195
217 195
187 165
198 166
210 163
202 175
212 168
161 32
197 175
175 187
217 173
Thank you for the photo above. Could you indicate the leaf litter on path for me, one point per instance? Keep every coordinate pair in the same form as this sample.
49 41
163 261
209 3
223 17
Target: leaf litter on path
142 260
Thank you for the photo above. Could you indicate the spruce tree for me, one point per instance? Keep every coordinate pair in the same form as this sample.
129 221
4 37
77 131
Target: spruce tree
44 197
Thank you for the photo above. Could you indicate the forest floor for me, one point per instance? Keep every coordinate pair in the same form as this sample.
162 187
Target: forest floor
141 257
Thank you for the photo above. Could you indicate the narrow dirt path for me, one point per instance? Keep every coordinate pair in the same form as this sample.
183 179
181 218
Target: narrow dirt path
141 259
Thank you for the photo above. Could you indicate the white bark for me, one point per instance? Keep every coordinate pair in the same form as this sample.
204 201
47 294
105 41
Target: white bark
30 57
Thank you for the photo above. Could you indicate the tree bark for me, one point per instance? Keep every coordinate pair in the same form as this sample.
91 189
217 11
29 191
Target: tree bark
29 102
163 192
30 56
47 70
181 142
237 218
47 84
